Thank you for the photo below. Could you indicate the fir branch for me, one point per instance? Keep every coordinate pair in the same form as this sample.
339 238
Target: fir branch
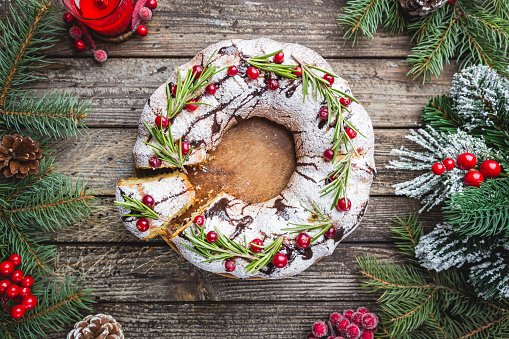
407 233
490 277
341 173
439 114
136 206
318 221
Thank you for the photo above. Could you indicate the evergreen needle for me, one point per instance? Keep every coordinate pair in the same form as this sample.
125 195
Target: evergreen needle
137 206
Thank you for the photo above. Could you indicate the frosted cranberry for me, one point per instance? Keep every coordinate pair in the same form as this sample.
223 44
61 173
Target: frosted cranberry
279 58
211 89
369 321
363 310
17 312
3 285
303 240
319 329
186 147
230 265
232 71
367 335
24 291
334 318
29 302
357 318
329 78
152 4
345 101
344 205
466 161
27 281
280 260
15 259
79 45
324 113
449 164
328 154
148 200
199 220
16 276
273 84
473 178
352 332
348 313
256 249
252 73
351 133
342 324
142 225
331 232
297 71
12 291
161 121
68 18
191 106
142 31
155 162
212 236
197 70
6 268
488 168
438 168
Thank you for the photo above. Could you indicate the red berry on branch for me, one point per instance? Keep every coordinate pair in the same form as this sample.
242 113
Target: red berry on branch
142 31
100 55
342 324
273 84
438 168
24 291
345 101
352 332
329 78
490 169
252 73
161 121
12 291
212 236
297 71
152 4
27 281
449 164
142 224
254 245
363 310
367 335
197 70
279 58
186 147
344 205
334 318
79 45
29 302
191 107
466 161
473 178
319 329
211 89
357 318
68 18
16 276
230 265
330 233
369 321
148 200
155 162
351 133
323 113
280 260
232 71
145 14
199 220
75 32
3 285
303 240
15 259
328 154
17 312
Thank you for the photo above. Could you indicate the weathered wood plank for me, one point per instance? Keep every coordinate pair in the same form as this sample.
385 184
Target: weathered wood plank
119 88
157 273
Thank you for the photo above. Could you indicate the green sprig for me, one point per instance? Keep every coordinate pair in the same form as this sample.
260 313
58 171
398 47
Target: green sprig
137 206
263 62
320 222
341 174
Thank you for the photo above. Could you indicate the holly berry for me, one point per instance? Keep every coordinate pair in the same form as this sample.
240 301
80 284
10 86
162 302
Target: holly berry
79 45
212 236
230 265
27 281
29 302
3 285
191 107
155 162
342 324
279 58
186 147
303 240
75 32
211 89
24 291
369 321
490 169
142 31
252 73
324 113
197 70
152 4
357 318
351 133
367 335
273 84
142 225
280 260
466 161
328 154
257 242
12 291
344 205
68 18
319 329
330 233
334 317
363 310
297 71
449 164
17 312
16 276
328 78
148 200
161 121
199 220
438 168
352 332
232 71
473 178
15 259
345 101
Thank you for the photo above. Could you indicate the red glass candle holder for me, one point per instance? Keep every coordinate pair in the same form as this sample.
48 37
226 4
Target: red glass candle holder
110 18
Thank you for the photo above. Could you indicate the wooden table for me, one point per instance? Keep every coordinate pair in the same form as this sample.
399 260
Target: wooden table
146 286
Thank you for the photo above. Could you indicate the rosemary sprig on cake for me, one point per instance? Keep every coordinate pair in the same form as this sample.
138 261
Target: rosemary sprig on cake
263 63
137 206
338 179
318 221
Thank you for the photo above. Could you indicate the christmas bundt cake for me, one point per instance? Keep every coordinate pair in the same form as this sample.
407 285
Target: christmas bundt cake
186 118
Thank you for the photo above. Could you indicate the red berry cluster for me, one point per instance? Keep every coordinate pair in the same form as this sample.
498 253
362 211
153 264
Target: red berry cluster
142 224
467 162
360 324
16 286
144 14
82 38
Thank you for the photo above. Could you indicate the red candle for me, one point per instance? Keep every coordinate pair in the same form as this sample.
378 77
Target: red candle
110 18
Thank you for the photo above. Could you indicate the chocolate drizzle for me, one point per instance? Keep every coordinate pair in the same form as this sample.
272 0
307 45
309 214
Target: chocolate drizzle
172 196
228 50
322 123
219 209
241 225
307 164
126 218
305 176
290 90
281 209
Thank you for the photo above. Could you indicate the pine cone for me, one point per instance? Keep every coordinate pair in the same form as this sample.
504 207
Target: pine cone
19 156
100 326
421 7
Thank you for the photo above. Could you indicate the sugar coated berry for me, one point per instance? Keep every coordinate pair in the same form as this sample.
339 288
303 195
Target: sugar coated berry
473 178
27 281
279 58
12 291
342 324
152 4
297 71
367 335
212 236
345 101
191 106
348 313
350 132
449 164
142 225
352 332
145 14
155 162
68 18
148 200
230 265
75 32
466 161
161 121
363 310
331 232
280 260
15 259
273 84
438 168
197 70
334 317
211 89
254 245
79 45
24 291
303 240
6 268
29 302
17 312
323 113
3 285
16 276
490 169
319 329
253 73
329 78
344 205
328 154
199 220
142 31
357 318
100 55
369 321
232 71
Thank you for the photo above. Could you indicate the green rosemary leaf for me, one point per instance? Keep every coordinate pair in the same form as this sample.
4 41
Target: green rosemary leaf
341 173
270 252
165 149
321 222
137 206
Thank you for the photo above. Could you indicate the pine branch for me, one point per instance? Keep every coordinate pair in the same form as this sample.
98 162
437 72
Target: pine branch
439 114
407 232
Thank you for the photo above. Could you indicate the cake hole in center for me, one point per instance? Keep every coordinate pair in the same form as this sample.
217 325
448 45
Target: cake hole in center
254 161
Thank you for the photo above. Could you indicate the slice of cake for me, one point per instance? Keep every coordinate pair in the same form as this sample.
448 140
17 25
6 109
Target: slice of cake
168 195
